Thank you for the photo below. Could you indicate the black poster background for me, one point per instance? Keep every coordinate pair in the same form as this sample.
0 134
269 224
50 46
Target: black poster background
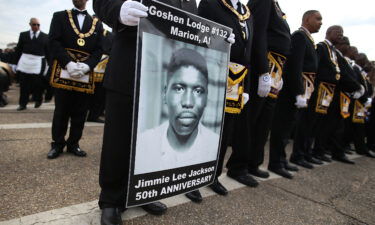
162 184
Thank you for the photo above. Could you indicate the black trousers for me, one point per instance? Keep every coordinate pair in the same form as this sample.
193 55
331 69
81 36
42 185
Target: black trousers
97 102
115 156
236 134
370 127
260 113
303 137
69 105
330 130
30 84
282 125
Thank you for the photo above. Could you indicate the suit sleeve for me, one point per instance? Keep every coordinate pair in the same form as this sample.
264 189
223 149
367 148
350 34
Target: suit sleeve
323 57
261 10
13 57
347 81
55 36
295 65
96 55
108 11
204 10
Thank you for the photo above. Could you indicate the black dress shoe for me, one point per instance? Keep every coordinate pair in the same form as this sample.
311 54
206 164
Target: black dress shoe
111 216
218 188
77 152
194 196
155 208
37 104
302 162
323 157
343 159
259 173
282 172
289 167
54 153
21 107
98 120
245 179
313 160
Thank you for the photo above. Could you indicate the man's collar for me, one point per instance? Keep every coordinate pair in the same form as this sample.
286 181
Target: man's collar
234 3
32 32
79 10
306 30
329 43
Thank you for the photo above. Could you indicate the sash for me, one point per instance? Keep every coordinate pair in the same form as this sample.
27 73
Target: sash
344 105
308 84
235 88
99 70
359 113
31 64
276 63
60 78
325 97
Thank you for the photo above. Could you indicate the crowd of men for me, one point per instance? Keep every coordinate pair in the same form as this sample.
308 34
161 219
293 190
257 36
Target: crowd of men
318 95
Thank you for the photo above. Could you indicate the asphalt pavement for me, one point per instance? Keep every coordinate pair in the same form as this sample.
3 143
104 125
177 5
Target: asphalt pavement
35 190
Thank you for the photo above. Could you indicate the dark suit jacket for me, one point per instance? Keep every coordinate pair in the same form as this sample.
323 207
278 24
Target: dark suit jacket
216 11
302 58
271 33
62 36
37 47
120 71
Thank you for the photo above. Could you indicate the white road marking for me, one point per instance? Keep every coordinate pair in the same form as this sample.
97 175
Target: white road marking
39 125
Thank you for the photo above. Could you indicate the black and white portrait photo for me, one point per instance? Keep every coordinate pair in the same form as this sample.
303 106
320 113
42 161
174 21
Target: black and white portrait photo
180 105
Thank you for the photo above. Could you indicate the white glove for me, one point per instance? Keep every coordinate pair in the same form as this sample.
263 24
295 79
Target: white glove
231 39
264 85
280 84
74 70
83 67
358 94
368 102
131 12
245 98
301 102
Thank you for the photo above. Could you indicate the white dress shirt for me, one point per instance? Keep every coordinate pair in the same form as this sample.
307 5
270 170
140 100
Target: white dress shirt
80 18
32 34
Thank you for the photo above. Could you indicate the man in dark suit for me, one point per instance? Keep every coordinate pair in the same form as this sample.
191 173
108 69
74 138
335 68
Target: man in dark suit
270 49
299 74
334 76
123 17
237 16
77 30
30 56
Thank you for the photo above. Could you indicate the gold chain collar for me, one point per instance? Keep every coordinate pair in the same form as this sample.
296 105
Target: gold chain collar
333 60
240 17
81 35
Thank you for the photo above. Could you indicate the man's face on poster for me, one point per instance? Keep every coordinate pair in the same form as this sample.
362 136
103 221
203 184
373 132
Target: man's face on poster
186 97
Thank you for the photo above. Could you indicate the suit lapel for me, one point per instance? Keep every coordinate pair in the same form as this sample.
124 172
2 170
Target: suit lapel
234 19
86 24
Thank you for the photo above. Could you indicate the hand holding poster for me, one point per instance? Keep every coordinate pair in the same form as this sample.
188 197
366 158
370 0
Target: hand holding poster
182 65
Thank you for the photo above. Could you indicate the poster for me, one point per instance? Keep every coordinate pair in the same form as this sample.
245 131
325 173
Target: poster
179 103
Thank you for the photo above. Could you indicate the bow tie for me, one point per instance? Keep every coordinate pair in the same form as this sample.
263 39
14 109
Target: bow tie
77 12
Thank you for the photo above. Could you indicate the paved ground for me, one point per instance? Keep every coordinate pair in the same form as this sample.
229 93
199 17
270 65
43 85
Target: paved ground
34 190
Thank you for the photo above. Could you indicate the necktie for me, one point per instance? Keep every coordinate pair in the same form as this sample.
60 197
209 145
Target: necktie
77 12
34 35
242 24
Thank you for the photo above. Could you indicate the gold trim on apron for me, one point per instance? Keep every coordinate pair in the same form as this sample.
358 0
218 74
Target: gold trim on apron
325 97
235 88
344 105
67 83
359 112
276 63
308 84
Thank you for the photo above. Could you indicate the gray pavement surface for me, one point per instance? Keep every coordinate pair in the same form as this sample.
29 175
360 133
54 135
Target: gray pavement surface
35 190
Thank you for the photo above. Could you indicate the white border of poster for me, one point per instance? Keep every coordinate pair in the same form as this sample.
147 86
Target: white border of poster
179 103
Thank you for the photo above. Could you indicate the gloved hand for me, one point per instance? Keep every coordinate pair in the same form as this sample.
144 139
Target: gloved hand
301 102
264 85
280 84
368 102
83 67
358 94
245 98
231 39
74 70
131 12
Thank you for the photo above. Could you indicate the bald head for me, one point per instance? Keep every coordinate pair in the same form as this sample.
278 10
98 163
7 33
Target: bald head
34 24
334 34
